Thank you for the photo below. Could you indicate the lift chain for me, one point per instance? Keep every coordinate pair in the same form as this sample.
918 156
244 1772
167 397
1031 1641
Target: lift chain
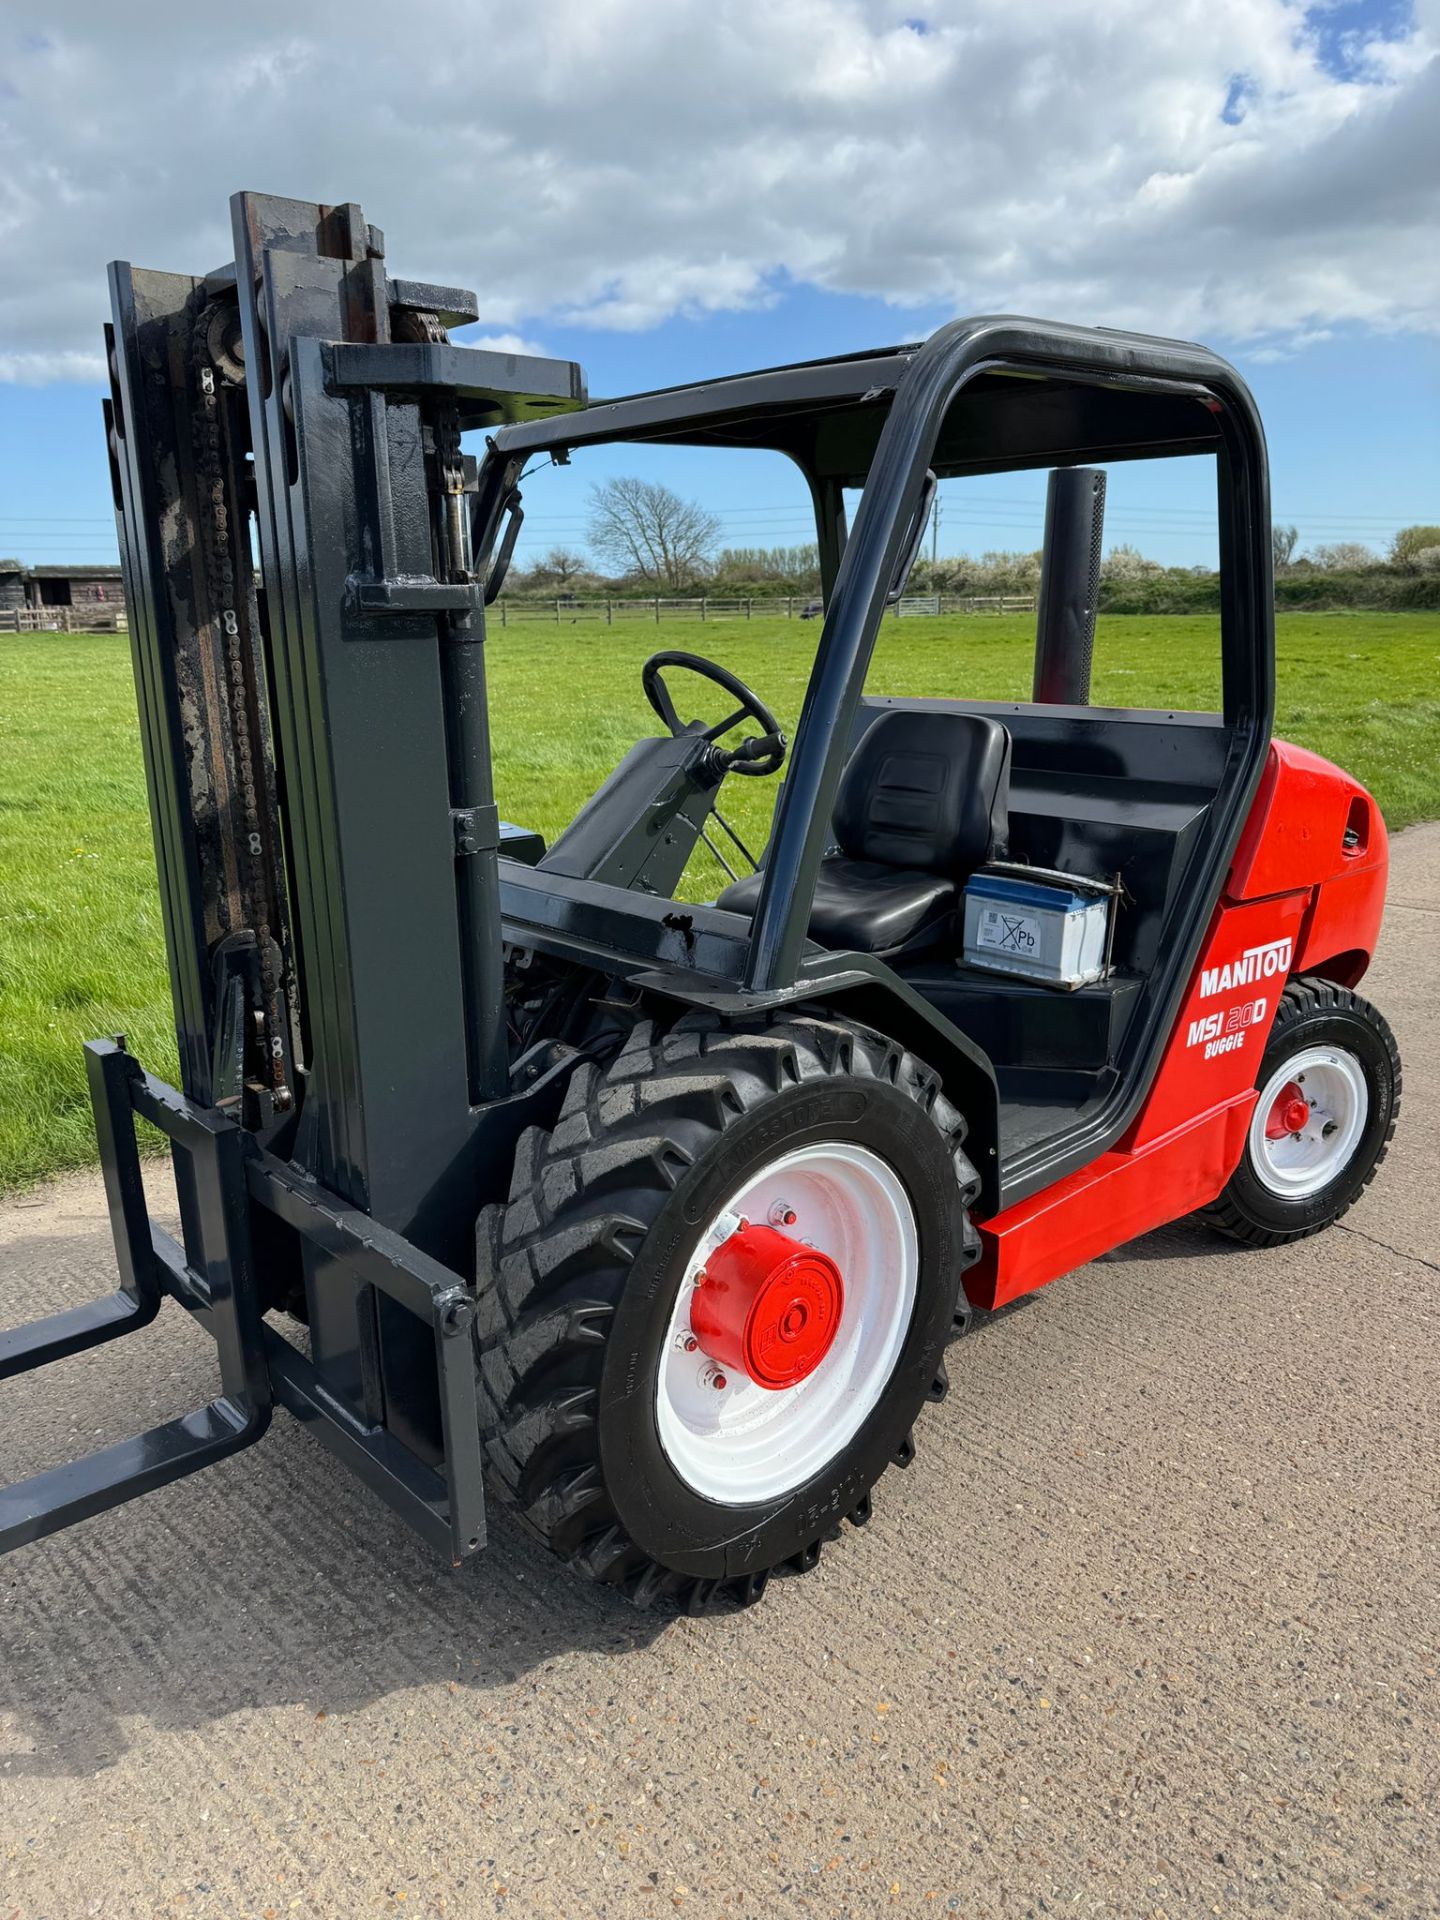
414 324
211 369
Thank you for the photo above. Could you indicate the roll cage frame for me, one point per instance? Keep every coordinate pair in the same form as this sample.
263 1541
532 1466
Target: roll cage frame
1047 394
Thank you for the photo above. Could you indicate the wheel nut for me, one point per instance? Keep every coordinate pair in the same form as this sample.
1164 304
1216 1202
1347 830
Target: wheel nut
686 1342
782 1214
713 1377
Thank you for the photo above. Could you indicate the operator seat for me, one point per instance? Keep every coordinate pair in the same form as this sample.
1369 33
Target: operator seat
921 804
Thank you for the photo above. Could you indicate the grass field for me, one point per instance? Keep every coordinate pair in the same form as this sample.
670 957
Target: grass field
81 950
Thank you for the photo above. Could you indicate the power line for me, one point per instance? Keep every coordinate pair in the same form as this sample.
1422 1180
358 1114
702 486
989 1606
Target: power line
790 506
1181 517
791 510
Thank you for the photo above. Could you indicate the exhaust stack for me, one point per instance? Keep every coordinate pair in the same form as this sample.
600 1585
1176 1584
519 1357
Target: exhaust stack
1069 586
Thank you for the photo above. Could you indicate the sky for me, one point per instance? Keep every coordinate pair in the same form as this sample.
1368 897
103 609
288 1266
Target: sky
666 192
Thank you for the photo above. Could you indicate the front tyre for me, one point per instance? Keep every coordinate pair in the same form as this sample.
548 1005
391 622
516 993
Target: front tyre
717 1299
1329 1095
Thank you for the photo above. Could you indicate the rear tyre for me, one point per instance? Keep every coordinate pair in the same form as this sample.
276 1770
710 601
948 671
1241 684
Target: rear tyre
612 1437
1329 1095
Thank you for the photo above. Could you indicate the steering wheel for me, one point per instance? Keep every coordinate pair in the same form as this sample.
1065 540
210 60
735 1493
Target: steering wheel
752 756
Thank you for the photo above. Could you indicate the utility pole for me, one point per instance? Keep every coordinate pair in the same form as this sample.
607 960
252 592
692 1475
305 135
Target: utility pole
935 529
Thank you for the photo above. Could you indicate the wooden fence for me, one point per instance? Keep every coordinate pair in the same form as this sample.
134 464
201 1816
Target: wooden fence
563 612
95 619
609 613
567 613
917 605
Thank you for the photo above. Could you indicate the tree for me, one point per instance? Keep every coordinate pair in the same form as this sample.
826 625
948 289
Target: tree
788 570
1127 563
1345 556
1410 542
1282 545
643 529
786 564
559 567
1006 572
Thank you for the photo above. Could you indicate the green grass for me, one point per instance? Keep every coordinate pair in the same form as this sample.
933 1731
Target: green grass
81 949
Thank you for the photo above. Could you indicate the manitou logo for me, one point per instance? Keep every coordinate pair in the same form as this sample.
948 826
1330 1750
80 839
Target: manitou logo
1223 1032
1256 963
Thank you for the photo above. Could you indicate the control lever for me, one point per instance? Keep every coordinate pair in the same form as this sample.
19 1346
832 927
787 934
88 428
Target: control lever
911 549
768 748
498 571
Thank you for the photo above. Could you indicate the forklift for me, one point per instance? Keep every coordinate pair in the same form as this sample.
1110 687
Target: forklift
501 1167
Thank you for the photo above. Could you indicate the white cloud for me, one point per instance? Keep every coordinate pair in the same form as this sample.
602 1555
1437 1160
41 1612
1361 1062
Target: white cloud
502 342
612 162
39 369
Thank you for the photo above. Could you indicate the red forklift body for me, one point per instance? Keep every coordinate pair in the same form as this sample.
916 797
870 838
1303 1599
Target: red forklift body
1305 894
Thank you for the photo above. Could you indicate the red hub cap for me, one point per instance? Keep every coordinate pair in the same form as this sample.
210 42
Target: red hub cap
767 1307
1290 1113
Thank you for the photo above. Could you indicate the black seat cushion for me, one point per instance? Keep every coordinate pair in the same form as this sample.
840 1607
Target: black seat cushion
859 904
922 803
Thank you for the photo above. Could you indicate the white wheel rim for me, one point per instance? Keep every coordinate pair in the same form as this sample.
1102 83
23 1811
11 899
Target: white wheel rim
745 1443
1302 1161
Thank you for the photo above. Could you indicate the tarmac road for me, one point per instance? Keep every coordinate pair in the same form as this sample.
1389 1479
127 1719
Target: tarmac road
1148 1629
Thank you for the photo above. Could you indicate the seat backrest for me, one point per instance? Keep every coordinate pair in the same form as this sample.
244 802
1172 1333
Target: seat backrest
926 791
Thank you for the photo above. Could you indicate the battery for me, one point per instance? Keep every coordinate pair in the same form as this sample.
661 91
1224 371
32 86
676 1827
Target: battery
1039 925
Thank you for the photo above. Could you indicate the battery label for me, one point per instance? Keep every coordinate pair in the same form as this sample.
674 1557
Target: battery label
1009 931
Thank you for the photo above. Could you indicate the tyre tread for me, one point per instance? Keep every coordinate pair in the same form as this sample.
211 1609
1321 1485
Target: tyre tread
553 1262
1306 995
